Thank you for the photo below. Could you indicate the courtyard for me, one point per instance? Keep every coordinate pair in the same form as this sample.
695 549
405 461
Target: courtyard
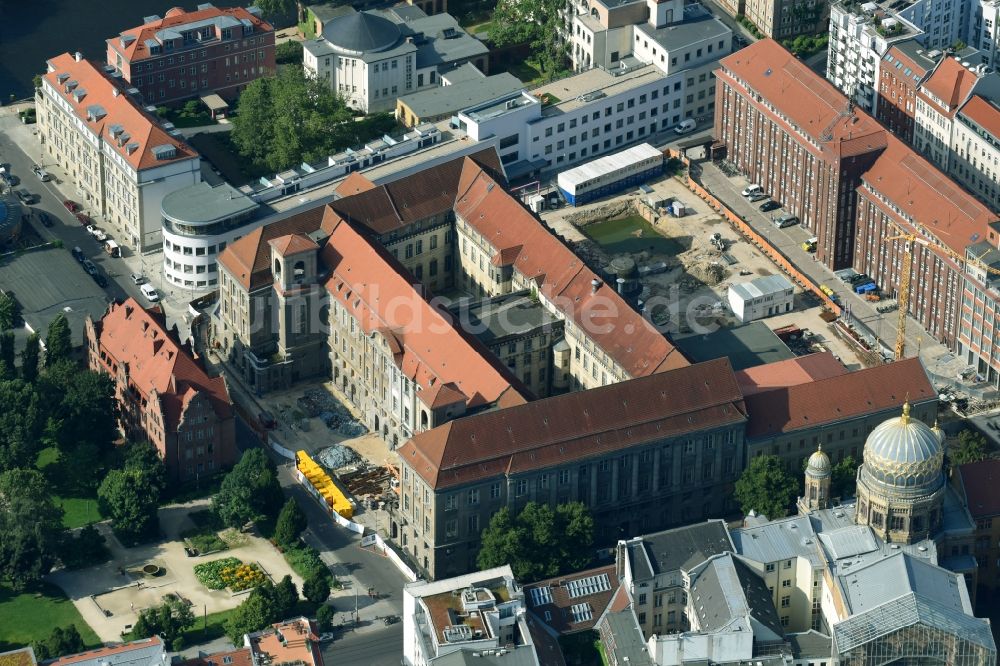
111 596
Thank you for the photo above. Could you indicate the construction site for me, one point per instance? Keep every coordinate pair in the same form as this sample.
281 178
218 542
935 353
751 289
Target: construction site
678 258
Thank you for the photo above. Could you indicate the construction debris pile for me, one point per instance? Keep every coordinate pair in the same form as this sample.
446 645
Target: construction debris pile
338 456
318 403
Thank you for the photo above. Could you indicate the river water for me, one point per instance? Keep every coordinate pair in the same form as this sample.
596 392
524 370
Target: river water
32 31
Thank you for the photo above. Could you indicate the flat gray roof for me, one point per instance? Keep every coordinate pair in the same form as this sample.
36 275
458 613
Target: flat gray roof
445 100
48 282
746 346
698 25
510 316
568 90
464 72
202 203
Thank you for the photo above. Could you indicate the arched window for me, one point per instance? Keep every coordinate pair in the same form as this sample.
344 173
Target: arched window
299 270
277 268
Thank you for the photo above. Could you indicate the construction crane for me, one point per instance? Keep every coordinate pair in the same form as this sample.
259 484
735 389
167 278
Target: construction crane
903 294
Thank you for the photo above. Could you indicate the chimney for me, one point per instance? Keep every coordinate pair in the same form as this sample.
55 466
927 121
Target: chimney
116 92
595 284
78 56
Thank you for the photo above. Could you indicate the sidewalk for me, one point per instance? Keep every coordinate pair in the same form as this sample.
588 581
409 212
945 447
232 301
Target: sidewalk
936 356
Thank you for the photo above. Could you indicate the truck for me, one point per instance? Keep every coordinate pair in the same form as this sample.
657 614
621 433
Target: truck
112 248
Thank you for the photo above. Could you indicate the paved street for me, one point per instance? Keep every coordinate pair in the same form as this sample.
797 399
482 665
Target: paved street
383 647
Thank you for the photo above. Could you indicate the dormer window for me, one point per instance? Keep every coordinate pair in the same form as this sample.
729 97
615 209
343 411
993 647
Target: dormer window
155 50
168 45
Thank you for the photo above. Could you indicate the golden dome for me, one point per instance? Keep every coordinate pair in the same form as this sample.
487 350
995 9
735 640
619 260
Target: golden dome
905 454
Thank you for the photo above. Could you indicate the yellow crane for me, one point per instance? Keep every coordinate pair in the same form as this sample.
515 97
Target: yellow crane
903 295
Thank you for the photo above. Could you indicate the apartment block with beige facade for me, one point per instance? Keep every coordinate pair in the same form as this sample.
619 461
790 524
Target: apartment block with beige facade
785 19
120 159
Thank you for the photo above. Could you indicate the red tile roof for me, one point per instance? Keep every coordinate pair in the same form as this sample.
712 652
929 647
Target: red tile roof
379 292
120 112
980 481
933 202
157 362
291 244
984 113
107 651
951 83
815 106
842 397
562 277
789 372
290 642
577 425
556 600
177 19
354 183
240 657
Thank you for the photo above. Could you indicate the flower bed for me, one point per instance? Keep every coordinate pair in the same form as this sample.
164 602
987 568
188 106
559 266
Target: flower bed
229 573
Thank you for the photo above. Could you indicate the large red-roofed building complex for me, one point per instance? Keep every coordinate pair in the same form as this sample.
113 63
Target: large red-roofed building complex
854 184
194 54
164 394
119 157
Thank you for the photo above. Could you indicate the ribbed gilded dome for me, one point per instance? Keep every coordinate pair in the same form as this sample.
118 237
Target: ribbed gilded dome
819 466
904 453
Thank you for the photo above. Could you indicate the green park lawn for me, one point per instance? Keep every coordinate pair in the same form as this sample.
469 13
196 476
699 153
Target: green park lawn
34 614
79 511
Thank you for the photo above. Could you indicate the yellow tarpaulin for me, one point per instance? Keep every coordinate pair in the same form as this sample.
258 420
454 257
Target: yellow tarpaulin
324 485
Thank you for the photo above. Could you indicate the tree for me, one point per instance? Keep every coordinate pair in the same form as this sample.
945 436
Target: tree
971 447
29 358
85 549
765 487
130 499
7 368
249 492
316 588
58 341
8 311
324 617
275 8
291 522
289 52
21 424
30 524
60 643
285 597
291 118
144 457
844 478
255 613
539 542
82 411
536 22
169 620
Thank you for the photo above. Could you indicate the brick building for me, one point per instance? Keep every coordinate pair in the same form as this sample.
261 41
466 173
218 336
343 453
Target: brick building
799 138
903 68
977 483
164 394
194 54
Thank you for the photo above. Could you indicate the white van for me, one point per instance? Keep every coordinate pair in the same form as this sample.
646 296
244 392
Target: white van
112 248
685 126
752 189
149 291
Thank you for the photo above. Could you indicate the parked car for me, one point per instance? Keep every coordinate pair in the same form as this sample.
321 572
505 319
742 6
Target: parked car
100 236
788 220
751 189
26 197
42 174
757 196
685 126
89 266
101 281
71 206
770 205
138 278
78 254
84 218
44 219
92 229
149 291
